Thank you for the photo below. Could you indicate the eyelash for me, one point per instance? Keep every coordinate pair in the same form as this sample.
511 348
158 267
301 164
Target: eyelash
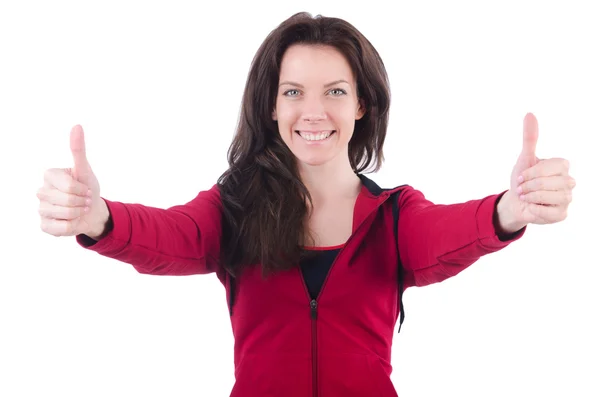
333 89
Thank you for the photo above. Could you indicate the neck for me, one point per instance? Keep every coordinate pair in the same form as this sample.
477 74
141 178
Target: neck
330 181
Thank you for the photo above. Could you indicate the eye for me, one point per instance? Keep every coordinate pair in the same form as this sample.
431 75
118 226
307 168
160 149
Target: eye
288 91
341 92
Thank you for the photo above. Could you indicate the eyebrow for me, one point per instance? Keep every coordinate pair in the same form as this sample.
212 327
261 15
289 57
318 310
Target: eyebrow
301 86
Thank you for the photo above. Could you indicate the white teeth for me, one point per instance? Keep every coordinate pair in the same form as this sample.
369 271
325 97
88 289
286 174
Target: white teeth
315 137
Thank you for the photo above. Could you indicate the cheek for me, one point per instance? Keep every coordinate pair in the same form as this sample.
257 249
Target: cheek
346 120
344 113
287 114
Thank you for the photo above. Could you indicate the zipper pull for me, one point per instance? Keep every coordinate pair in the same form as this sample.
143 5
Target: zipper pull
313 309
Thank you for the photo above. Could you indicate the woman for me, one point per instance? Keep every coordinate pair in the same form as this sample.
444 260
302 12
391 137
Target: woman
313 255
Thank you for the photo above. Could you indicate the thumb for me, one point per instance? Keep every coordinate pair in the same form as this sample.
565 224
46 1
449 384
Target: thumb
81 166
530 135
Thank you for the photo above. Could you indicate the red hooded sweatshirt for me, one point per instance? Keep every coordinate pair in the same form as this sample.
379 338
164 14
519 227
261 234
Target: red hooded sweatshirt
339 344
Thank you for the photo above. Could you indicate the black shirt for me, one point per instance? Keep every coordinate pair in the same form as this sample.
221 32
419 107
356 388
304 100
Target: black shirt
315 270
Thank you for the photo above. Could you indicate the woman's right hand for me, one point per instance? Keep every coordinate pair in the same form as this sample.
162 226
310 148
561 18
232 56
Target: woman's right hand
70 202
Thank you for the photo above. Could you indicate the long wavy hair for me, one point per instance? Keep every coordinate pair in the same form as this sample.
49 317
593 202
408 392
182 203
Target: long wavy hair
264 200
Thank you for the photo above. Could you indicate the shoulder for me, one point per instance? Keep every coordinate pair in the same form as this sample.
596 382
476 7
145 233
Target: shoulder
409 197
208 196
406 192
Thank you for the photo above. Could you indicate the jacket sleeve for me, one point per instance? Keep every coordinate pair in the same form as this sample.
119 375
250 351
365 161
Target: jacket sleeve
438 241
180 240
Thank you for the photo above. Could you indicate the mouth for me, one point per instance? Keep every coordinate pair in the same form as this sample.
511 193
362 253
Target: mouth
315 136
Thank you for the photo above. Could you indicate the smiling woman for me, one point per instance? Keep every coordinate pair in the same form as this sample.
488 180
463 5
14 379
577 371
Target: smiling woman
314 256
315 117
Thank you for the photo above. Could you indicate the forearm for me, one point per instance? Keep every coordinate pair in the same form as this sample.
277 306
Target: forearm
180 240
439 241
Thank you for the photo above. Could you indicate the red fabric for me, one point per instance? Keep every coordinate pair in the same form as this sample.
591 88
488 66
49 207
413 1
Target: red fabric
281 349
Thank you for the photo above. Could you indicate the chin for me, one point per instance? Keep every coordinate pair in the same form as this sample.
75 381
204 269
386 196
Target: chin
312 162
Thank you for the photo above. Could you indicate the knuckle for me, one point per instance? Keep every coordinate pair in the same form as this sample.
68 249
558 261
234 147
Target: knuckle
568 197
563 215
48 174
51 175
45 227
43 207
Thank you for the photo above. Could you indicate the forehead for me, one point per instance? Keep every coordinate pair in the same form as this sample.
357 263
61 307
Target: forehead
307 63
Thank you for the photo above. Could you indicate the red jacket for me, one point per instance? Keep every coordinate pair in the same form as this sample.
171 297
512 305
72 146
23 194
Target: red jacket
340 344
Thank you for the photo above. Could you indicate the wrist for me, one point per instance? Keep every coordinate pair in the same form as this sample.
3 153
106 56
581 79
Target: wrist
505 219
101 228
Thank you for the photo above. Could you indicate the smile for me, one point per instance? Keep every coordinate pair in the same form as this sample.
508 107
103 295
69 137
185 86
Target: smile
315 136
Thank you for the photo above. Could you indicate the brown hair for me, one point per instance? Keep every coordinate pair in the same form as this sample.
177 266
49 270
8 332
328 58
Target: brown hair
263 197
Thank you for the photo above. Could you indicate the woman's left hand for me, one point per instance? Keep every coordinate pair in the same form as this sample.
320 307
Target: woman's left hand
540 190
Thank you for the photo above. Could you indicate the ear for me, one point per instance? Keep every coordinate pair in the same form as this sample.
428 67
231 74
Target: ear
360 109
274 115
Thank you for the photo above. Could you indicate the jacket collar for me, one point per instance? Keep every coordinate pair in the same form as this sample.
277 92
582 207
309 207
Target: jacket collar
370 185
369 199
373 189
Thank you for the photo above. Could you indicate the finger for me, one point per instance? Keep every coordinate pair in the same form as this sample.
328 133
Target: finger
57 227
64 182
548 214
47 210
546 183
52 173
546 197
81 165
530 135
548 167
56 197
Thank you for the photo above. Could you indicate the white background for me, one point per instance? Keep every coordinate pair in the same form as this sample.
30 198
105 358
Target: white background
157 88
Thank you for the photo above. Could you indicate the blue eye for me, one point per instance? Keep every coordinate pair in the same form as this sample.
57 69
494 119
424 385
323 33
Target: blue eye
343 92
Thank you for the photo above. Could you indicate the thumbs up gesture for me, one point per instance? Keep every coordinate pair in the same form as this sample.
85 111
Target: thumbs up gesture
540 190
70 202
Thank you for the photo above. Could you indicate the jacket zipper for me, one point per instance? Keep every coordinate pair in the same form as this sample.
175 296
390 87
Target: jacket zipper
313 316
314 305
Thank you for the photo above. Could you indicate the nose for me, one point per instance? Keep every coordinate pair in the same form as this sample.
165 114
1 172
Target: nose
313 110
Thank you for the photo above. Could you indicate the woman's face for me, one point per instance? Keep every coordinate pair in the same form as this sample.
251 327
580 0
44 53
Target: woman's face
316 104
